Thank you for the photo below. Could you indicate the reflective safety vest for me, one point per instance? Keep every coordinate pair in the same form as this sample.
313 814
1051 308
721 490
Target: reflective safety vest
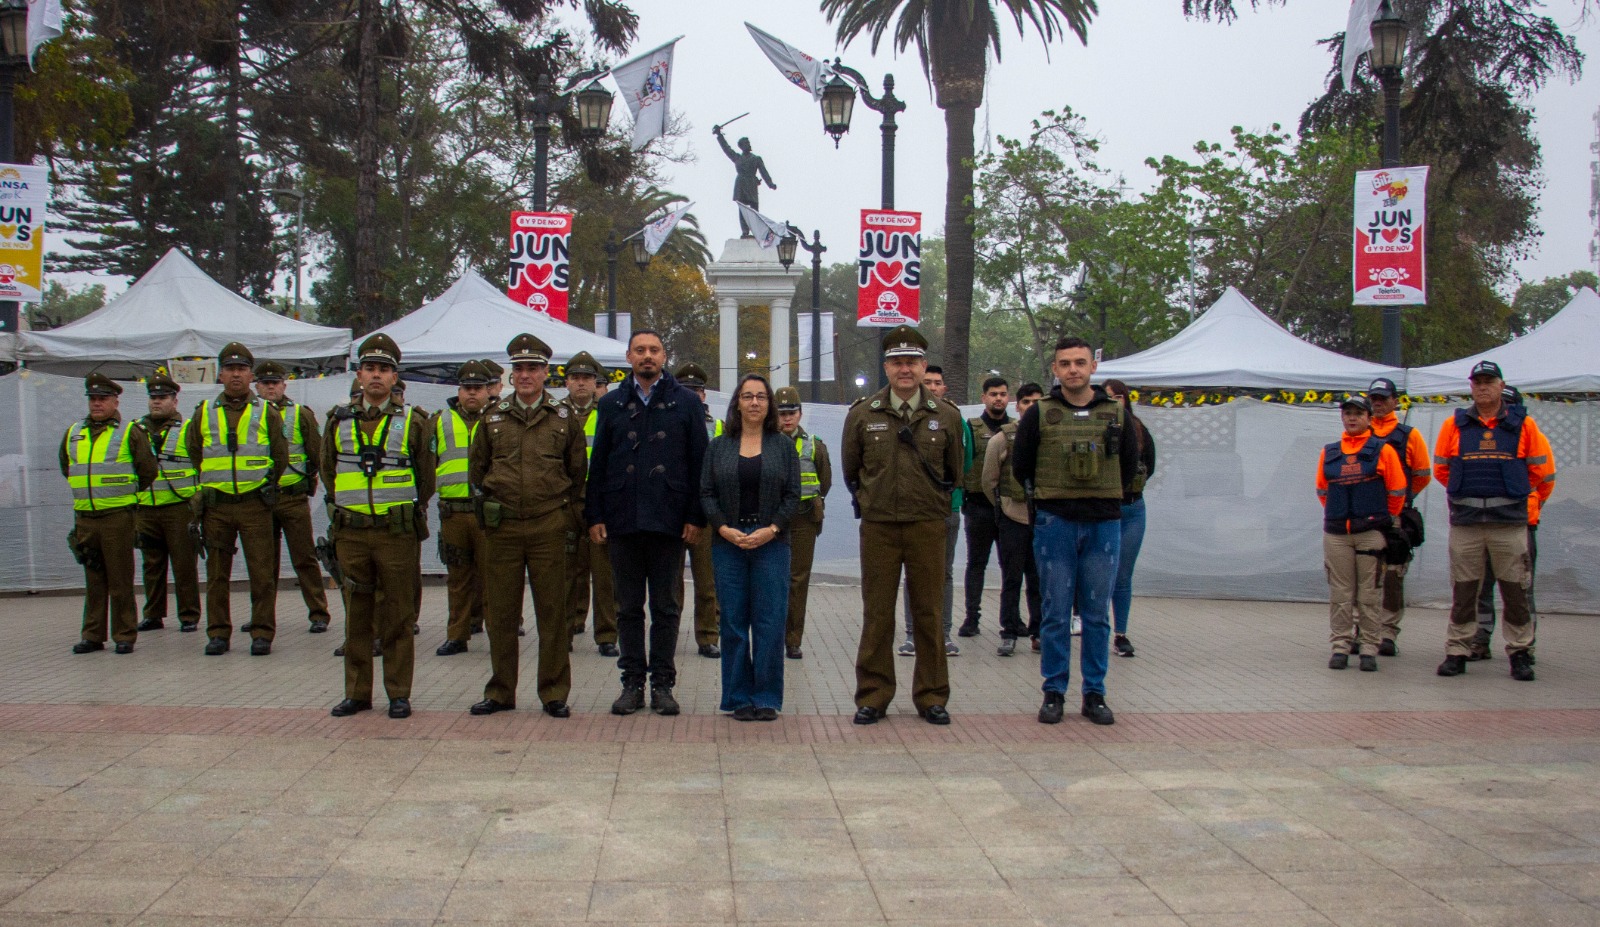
590 420
713 426
100 469
1357 499
298 469
1079 451
239 461
810 481
452 436
1009 487
1488 481
374 475
176 481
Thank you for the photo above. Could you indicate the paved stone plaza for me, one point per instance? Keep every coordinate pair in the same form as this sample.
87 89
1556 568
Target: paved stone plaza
1244 783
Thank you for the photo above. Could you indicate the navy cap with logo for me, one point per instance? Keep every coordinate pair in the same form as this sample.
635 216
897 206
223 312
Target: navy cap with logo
98 384
1486 369
691 375
904 341
1512 395
1383 386
1356 401
234 354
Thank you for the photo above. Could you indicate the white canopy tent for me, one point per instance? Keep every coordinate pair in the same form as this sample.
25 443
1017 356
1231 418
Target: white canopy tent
475 319
1234 344
1557 357
176 310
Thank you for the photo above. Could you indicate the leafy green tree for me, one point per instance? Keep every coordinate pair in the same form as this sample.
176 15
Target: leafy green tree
1535 303
60 305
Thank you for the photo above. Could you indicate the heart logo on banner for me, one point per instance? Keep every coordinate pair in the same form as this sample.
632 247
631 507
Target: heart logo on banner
538 274
889 271
1390 234
8 231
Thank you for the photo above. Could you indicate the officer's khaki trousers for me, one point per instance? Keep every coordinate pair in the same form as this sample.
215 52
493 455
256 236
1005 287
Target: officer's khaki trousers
917 547
292 520
111 586
1506 547
249 523
803 529
707 620
381 573
535 551
1353 590
166 530
463 550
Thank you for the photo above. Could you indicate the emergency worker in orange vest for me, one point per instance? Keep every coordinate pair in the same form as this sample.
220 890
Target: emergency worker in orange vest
1413 453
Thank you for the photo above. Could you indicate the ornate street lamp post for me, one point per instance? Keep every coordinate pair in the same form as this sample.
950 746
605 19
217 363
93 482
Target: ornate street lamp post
1389 33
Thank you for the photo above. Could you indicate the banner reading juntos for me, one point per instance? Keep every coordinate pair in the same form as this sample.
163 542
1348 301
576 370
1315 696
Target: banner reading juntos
1391 267
24 196
889 273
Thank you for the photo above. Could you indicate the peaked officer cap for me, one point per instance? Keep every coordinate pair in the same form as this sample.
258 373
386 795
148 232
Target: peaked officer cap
271 370
691 375
379 349
474 373
233 354
584 362
98 384
159 384
528 349
787 399
904 341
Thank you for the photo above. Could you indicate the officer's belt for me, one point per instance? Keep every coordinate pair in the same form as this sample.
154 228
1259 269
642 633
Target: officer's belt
102 513
347 519
1478 502
302 488
164 505
223 497
458 506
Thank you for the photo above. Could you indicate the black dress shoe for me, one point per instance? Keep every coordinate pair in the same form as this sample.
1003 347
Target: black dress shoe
260 647
88 646
744 713
793 653
710 651
968 629
451 648
489 706
188 627
350 706
400 708
318 627
124 647
216 646
556 708
935 714
609 650
151 624
866 714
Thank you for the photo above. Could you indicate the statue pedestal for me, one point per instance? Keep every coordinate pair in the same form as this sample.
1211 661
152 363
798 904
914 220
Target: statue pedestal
748 275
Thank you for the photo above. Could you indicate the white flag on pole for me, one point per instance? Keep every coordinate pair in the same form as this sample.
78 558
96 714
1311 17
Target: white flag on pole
44 23
799 68
766 231
646 83
1358 35
655 234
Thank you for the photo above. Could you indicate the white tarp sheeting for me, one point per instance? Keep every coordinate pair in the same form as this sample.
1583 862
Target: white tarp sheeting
475 319
1557 357
175 310
1234 344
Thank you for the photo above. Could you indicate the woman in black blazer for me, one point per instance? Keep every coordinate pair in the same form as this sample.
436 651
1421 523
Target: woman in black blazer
750 488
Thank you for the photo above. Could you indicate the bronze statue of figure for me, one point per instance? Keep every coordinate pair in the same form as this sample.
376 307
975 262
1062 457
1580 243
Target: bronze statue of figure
750 172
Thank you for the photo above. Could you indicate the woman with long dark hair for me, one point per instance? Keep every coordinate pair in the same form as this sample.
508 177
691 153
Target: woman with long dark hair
750 488
1132 521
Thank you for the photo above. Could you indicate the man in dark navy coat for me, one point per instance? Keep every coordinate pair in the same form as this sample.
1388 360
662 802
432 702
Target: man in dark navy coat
644 506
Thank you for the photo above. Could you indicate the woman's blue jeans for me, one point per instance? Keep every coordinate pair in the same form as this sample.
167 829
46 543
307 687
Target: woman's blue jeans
1132 540
753 595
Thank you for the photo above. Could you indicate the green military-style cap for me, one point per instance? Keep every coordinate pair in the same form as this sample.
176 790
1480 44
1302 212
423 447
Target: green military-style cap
98 384
528 349
787 399
691 375
159 384
474 373
494 368
271 370
233 354
379 349
904 341
584 362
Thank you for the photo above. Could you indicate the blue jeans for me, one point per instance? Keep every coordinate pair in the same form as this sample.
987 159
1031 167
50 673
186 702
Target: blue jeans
1077 564
753 594
1132 540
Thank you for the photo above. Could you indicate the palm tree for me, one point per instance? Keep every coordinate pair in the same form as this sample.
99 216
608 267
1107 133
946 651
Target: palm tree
953 39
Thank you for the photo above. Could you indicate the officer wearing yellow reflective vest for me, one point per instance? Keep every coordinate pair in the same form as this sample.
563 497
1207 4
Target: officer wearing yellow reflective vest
380 456
461 540
591 566
291 515
163 520
816 478
107 462
238 440
707 620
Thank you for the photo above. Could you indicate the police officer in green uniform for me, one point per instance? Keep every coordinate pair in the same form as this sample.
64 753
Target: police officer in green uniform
707 619
816 478
902 456
461 542
237 439
292 515
591 565
107 463
380 456
497 384
528 461
163 519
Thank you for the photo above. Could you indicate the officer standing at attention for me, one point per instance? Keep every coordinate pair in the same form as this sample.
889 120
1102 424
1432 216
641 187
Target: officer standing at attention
707 619
238 440
816 478
902 458
590 564
163 518
1412 451
528 461
107 462
1494 463
461 543
977 508
381 458
292 514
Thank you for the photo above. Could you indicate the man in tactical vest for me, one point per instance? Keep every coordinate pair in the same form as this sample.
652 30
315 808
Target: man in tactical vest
1075 455
1494 464
163 521
902 458
107 463
462 548
1015 532
238 441
816 478
1412 451
590 565
528 461
379 456
977 508
292 515
707 618
1362 487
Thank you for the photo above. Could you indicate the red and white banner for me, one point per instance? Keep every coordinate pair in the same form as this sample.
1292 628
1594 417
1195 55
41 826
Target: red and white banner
1390 260
889 275
541 243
